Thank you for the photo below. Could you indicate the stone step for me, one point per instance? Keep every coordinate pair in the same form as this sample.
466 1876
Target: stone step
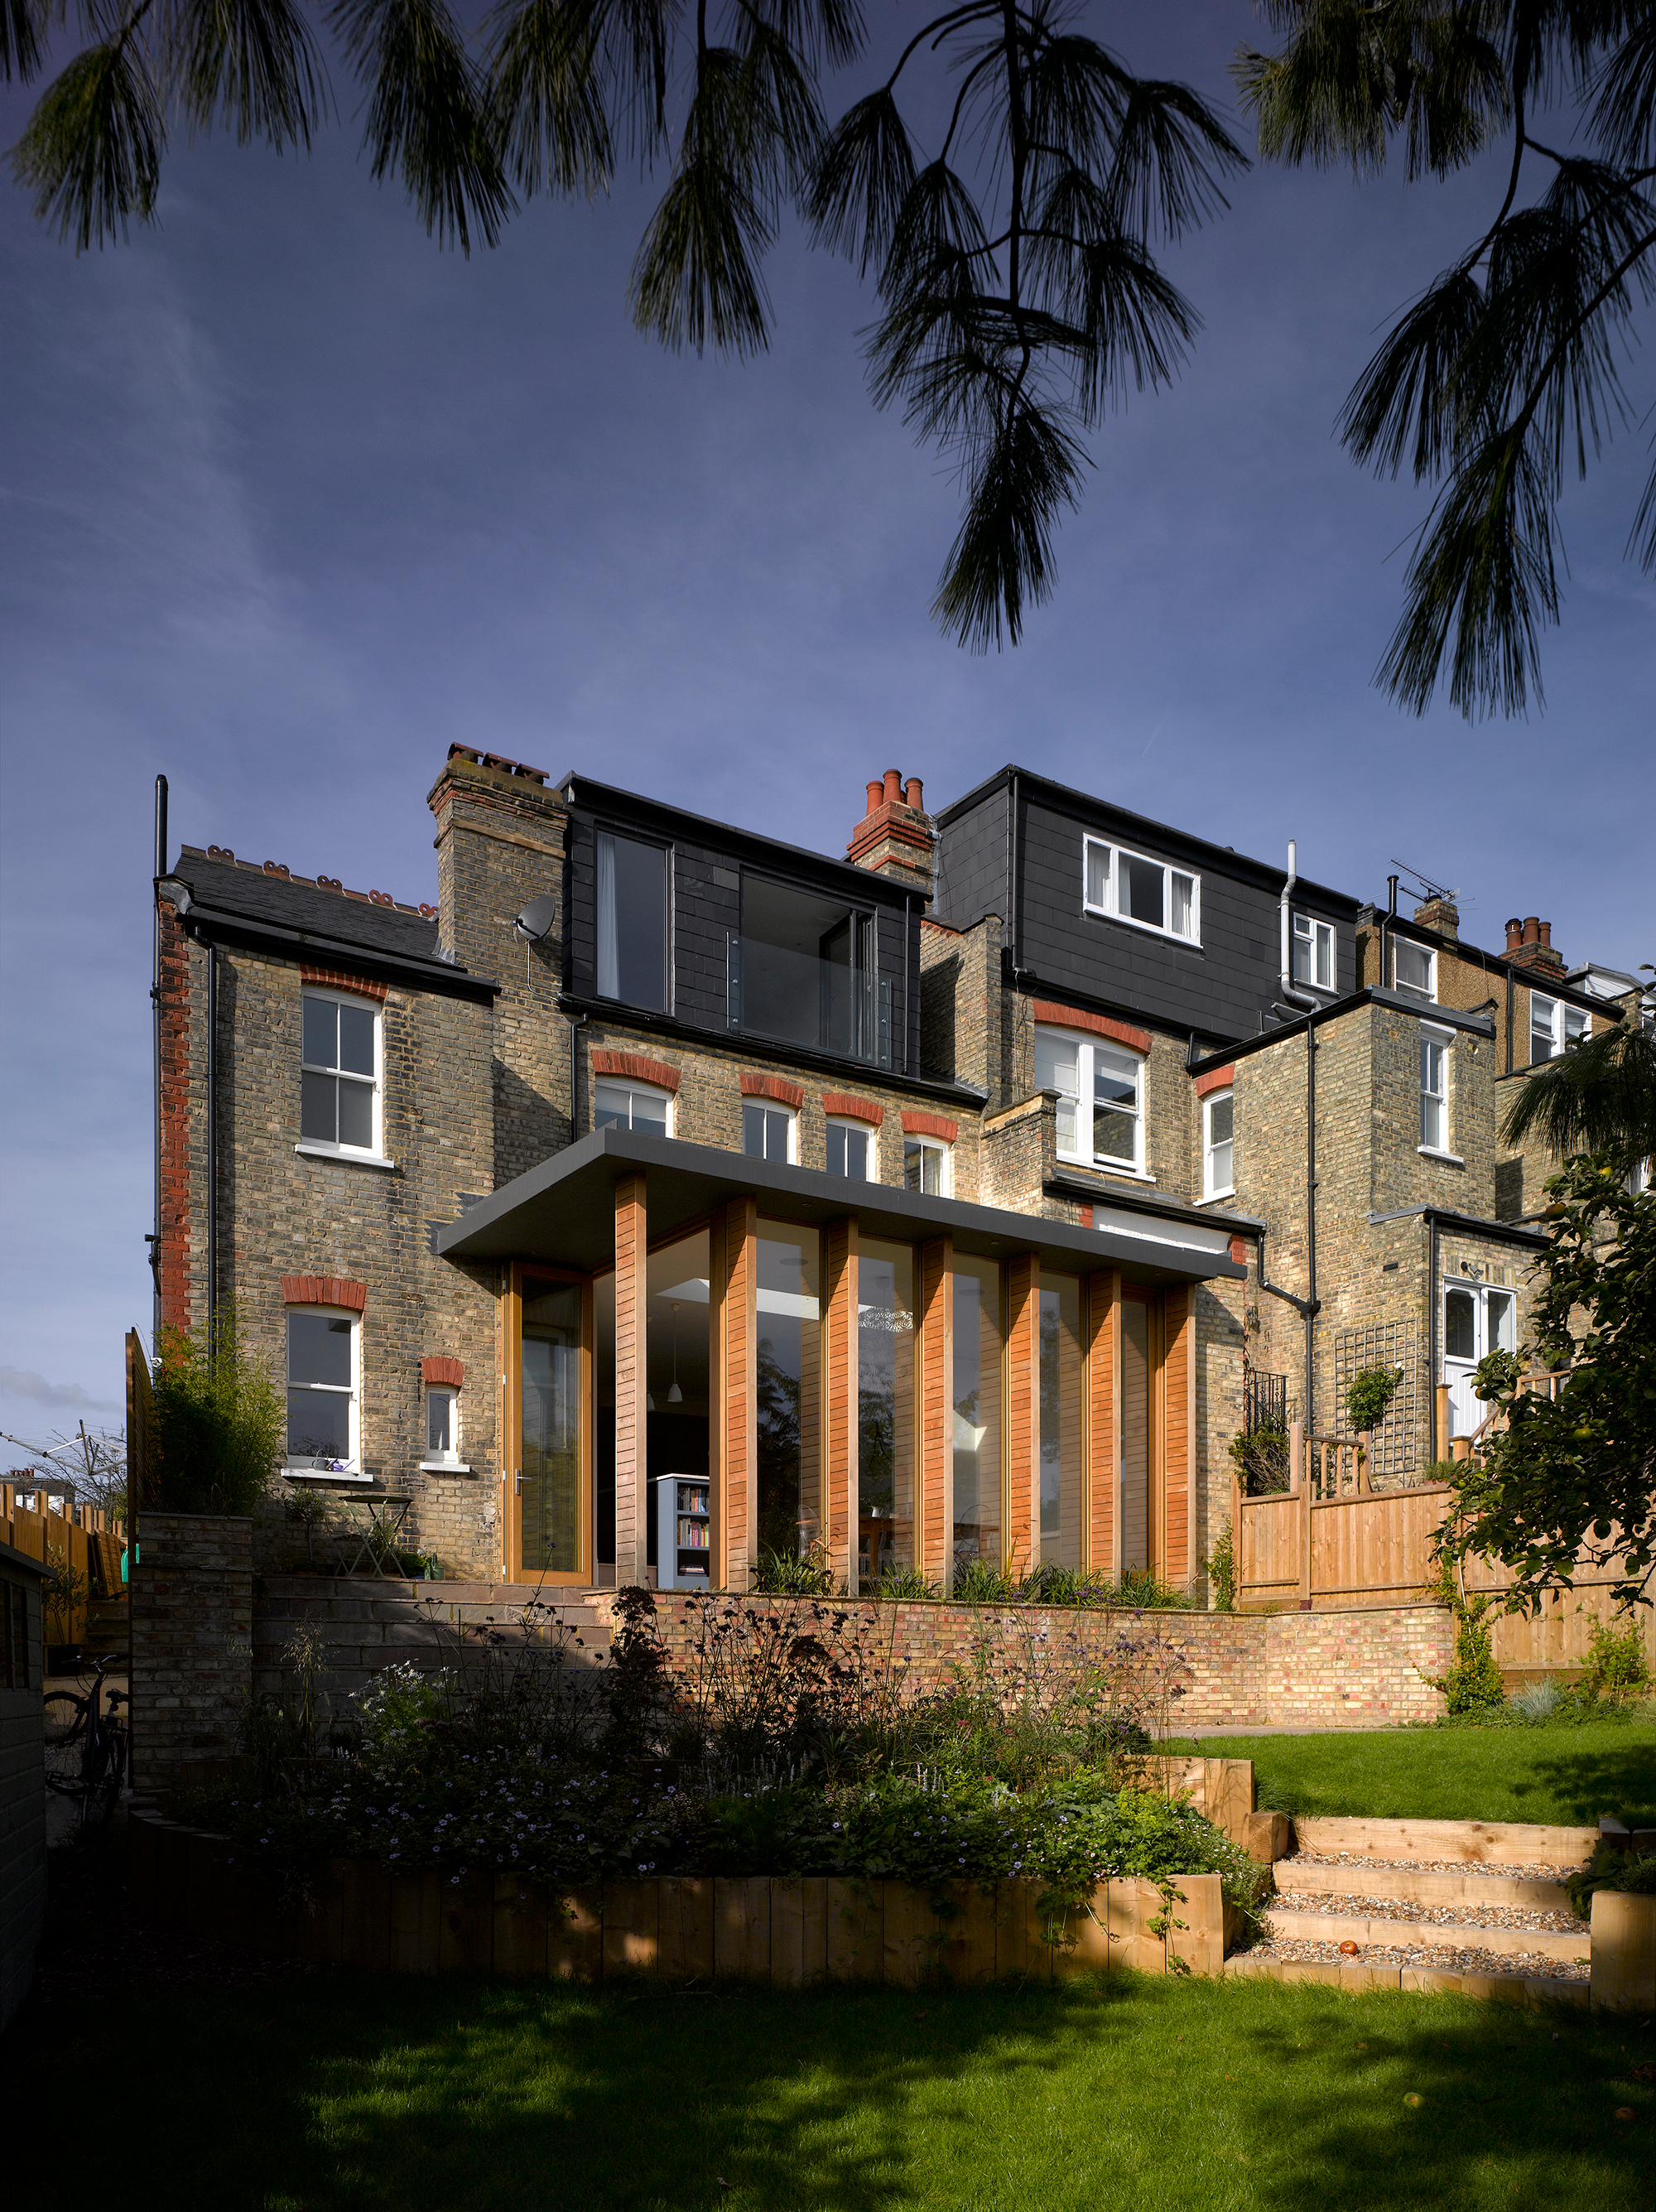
1540 1990
1416 1886
1288 1925
1475 1843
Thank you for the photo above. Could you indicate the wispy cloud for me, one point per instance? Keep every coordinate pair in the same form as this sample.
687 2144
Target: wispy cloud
23 1382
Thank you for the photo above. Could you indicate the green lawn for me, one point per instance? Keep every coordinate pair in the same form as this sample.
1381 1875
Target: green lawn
340 2092
1566 1775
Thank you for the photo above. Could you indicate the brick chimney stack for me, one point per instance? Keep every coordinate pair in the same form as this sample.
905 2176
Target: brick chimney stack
1442 914
1529 944
895 837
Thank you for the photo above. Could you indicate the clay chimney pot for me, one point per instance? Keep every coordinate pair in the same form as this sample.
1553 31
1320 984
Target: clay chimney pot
1515 934
1545 928
894 787
875 792
913 794
1532 929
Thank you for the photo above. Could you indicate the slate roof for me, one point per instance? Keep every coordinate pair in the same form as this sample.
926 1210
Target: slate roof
229 886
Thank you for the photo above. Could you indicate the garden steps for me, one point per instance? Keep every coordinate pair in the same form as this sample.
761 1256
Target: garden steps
1471 1843
1355 1978
1292 1924
1474 1888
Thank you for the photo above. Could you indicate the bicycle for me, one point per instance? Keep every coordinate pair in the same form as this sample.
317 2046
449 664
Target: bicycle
86 1745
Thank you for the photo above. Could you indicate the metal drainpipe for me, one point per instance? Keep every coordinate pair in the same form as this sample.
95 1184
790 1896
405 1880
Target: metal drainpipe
1433 1300
160 857
1389 916
1311 1222
212 1142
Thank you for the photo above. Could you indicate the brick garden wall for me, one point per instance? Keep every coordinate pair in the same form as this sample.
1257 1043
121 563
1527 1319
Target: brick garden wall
191 1595
1357 1669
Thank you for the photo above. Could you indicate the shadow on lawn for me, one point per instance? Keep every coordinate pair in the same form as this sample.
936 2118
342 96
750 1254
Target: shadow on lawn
1621 1780
340 2095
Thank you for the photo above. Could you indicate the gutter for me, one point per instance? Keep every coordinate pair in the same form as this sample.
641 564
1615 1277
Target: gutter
395 967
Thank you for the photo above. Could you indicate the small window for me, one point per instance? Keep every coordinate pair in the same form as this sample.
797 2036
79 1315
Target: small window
1414 969
925 1165
442 1424
322 1371
1501 1321
1553 1027
1134 888
1110 1131
632 921
632 1106
1313 951
767 1132
1434 1094
1459 1325
339 1078
1218 1177
849 1151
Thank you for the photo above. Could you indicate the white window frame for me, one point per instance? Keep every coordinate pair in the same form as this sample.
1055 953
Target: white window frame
1110 903
625 1083
1209 1187
854 1127
1566 1025
1085 1046
451 1462
1413 990
350 1468
787 1113
1316 936
918 1147
372 1155
1441 1041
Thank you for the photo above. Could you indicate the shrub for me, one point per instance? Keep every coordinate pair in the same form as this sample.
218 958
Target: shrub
1472 1688
977 1582
63 1594
1535 1703
1617 1664
1633 1873
220 1419
1368 1394
1261 1462
1219 1568
787 1574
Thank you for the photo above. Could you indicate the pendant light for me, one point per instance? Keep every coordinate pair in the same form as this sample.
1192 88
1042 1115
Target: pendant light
674 1396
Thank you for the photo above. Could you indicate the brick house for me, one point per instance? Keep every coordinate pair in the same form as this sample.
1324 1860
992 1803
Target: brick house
946 1200
662 1160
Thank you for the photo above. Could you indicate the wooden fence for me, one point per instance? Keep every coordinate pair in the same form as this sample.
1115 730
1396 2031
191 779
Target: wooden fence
1330 1541
54 1530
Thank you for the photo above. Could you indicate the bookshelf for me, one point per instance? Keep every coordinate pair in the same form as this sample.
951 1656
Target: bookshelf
683 1532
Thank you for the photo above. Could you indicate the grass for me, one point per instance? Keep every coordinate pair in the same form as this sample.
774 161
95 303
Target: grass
337 2093
1565 1774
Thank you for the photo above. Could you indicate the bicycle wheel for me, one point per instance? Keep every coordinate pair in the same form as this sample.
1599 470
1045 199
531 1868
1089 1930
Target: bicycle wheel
65 1742
112 1770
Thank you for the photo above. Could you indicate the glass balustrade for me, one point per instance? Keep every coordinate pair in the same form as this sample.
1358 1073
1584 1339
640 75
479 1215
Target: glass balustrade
798 998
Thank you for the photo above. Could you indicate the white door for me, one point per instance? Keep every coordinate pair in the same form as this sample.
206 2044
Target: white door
1476 1320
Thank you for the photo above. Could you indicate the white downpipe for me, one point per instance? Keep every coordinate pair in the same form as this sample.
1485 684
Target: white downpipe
1285 979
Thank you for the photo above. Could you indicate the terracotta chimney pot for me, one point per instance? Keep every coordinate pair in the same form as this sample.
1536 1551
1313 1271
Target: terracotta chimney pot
1515 934
1545 928
913 794
1532 929
875 792
894 787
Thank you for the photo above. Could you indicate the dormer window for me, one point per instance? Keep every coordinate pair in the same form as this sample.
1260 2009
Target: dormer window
1414 969
1133 887
1313 952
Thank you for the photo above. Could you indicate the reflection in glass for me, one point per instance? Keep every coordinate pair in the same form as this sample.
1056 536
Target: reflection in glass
320 1386
885 1427
1135 1434
788 1386
977 1411
632 921
1060 1422
551 1428
1459 1326
1501 1315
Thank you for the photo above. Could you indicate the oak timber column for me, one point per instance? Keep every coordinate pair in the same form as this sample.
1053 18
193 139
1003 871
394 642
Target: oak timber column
1101 1334
632 1383
733 1441
1023 1538
840 1427
934 1509
1177 1433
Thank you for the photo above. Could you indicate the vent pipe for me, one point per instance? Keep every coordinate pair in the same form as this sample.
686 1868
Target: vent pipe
1286 979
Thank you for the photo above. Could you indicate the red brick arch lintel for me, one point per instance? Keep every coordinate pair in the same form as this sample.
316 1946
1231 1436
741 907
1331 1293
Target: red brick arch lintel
335 979
773 1086
1217 1078
656 1072
918 1124
1075 1018
450 1373
846 1108
323 1290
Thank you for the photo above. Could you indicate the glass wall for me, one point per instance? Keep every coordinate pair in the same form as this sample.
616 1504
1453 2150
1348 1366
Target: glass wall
977 1401
790 1389
1135 1532
885 1412
551 1427
1060 1421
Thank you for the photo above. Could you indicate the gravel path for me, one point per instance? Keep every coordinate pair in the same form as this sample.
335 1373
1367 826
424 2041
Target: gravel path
1464 1960
1549 1873
1433 1916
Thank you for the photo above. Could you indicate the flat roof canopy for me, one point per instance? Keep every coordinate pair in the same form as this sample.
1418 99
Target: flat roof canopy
563 1213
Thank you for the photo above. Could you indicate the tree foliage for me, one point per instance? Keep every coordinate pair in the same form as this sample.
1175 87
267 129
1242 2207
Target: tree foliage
1506 372
1574 1477
1020 292
1599 1096
220 1421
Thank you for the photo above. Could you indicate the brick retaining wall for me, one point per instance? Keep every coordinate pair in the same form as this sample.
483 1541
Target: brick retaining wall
1360 1668
192 1630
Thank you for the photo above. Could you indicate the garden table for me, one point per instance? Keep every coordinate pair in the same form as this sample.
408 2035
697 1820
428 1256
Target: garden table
374 1521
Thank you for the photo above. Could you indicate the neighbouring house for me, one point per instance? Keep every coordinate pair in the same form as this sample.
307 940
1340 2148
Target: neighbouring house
665 1194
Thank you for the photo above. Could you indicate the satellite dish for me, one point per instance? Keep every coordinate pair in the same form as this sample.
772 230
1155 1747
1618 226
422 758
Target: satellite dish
536 918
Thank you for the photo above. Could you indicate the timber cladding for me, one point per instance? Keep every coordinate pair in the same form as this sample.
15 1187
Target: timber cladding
935 1507
838 1299
785 1931
734 1441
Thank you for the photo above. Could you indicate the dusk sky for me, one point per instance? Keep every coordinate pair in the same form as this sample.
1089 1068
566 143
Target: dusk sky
294 501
